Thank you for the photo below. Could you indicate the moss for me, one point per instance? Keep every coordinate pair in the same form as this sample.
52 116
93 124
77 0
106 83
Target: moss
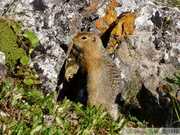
9 42
174 3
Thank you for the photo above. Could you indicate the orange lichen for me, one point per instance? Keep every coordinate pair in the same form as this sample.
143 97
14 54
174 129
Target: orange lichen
112 5
93 6
110 17
92 3
124 27
103 23
120 27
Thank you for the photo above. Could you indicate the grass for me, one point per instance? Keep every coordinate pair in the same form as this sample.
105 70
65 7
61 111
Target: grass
176 105
174 3
27 111
171 3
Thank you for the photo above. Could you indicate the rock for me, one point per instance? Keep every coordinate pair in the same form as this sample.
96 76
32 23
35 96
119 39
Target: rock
2 67
149 52
151 84
53 24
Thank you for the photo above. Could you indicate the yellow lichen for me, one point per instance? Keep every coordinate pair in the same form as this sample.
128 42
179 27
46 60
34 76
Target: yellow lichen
124 27
120 28
112 5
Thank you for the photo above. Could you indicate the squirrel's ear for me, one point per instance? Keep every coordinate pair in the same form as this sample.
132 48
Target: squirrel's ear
94 39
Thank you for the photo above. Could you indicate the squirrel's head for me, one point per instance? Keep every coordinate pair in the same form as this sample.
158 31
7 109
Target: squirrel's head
87 41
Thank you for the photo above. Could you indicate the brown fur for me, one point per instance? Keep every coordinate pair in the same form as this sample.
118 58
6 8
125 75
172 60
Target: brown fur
103 83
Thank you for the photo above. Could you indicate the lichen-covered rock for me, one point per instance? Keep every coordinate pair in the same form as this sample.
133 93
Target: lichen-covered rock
152 52
145 38
53 22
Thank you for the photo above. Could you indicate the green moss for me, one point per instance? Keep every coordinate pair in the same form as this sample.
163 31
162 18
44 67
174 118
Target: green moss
174 3
9 42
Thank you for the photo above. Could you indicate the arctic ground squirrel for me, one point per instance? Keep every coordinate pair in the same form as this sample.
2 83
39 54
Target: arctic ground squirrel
103 80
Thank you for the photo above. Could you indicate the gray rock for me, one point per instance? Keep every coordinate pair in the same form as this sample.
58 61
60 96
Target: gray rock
53 24
2 67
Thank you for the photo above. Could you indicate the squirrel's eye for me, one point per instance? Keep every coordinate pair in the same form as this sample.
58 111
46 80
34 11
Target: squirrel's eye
84 37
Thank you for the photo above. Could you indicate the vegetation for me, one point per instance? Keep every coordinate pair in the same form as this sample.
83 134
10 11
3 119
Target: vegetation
175 103
174 3
17 50
170 3
9 30
19 45
27 111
